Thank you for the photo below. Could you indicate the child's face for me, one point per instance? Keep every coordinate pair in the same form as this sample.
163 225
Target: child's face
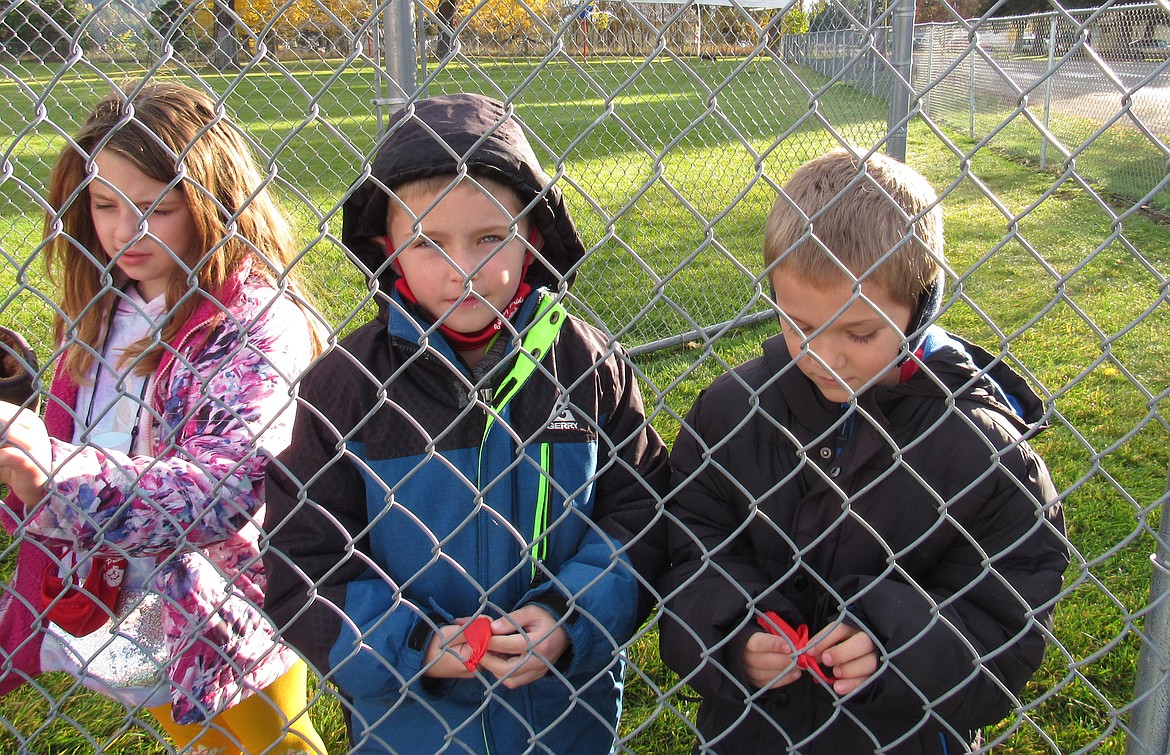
857 343
146 248
460 267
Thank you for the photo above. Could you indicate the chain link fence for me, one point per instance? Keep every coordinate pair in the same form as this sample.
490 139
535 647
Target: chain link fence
670 127
1077 86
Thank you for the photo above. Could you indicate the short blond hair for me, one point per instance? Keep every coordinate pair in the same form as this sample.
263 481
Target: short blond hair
433 186
876 219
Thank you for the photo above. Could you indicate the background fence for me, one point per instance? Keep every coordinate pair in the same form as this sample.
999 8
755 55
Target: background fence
669 127
1081 84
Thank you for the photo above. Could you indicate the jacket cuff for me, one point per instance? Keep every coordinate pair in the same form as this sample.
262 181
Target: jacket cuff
420 637
418 641
557 605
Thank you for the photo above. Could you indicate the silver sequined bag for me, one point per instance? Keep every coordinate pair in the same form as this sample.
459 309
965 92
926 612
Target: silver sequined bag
129 650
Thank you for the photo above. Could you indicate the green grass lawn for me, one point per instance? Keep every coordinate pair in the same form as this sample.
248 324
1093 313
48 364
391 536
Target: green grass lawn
669 173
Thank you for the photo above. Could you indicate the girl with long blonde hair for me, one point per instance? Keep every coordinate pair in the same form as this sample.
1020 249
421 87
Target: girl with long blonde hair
139 497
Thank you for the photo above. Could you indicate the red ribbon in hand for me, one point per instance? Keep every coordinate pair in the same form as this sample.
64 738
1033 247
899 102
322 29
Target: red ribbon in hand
798 639
478 633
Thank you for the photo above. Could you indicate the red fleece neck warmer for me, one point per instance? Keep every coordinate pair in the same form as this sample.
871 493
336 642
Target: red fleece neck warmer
479 339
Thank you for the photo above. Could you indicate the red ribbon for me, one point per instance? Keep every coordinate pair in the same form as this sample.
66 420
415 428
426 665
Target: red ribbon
798 639
477 634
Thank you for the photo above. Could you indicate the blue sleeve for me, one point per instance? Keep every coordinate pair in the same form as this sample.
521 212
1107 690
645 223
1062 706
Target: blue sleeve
374 654
596 593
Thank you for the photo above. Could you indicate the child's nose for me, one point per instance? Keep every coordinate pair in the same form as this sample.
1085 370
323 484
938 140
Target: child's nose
831 353
838 357
462 263
129 225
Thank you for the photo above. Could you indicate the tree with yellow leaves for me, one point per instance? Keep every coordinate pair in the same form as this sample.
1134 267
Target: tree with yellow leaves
498 20
276 23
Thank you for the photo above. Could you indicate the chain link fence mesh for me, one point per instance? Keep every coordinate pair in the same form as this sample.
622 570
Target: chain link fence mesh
670 127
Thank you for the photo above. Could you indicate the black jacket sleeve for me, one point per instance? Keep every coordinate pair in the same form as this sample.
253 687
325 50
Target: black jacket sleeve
634 479
315 498
716 582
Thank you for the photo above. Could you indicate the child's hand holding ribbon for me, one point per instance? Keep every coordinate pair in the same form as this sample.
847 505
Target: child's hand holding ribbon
798 639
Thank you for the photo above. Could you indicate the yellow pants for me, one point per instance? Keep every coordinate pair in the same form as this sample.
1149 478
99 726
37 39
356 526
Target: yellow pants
274 721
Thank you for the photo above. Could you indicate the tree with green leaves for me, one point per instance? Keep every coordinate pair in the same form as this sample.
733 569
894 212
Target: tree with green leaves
42 29
828 17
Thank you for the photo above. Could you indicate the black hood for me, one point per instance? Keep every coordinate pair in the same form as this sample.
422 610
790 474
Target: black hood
434 137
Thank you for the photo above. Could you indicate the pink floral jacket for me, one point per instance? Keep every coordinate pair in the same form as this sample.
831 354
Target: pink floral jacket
221 403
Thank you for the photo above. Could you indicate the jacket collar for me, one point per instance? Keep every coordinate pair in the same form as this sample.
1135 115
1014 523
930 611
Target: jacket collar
62 400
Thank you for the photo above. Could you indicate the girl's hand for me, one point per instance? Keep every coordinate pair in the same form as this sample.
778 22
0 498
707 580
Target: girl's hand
448 652
525 644
766 658
850 652
25 453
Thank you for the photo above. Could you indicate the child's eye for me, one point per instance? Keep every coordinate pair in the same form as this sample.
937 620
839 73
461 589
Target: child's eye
491 239
863 337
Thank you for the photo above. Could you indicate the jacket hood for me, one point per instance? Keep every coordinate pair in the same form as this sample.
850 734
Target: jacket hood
967 369
442 136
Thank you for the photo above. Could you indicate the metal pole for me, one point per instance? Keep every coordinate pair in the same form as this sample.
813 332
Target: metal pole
1150 723
699 31
901 93
871 61
1048 92
974 87
399 56
420 41
681 338
928 110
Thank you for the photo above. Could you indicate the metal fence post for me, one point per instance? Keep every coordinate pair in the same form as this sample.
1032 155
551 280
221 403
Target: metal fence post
929 101
972 103
1048 92
400 58
902 91
1150 722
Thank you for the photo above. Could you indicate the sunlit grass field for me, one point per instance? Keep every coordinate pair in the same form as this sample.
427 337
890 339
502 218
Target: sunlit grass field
669 170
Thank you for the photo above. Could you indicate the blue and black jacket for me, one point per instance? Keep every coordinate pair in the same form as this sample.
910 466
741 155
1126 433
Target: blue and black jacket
417 491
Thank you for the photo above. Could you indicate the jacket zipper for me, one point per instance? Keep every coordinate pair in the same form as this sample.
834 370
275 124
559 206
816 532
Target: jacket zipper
166 368
495 402
540 522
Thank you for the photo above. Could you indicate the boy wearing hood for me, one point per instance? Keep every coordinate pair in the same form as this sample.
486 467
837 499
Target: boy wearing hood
866 481
464 525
